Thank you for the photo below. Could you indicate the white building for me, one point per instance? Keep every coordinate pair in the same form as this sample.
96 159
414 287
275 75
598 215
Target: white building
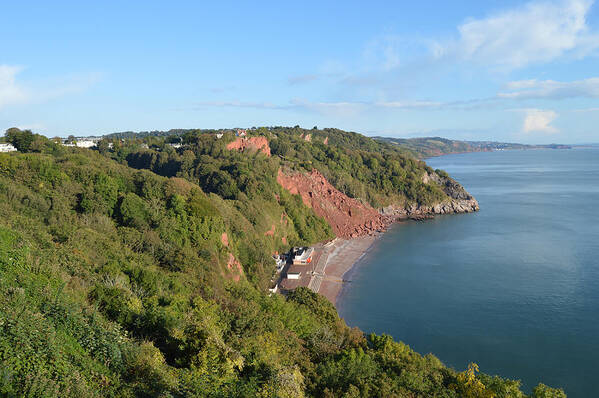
293 275
85 143
82 142
7 148
303 255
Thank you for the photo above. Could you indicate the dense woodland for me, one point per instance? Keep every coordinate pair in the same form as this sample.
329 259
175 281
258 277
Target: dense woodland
115 279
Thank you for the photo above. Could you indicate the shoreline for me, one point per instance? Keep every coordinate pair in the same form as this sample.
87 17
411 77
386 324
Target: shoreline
335 260
339 259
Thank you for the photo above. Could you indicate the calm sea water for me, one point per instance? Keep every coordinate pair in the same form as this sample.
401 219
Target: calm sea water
514 287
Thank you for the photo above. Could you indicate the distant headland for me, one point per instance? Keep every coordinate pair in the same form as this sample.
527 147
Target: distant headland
427 147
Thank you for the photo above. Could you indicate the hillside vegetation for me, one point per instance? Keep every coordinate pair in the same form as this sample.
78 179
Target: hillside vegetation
133 272
358 166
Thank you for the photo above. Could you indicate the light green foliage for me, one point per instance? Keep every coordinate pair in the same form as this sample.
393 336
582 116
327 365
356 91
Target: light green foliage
542 391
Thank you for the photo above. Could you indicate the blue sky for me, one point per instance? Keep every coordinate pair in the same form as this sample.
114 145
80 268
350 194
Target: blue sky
500 70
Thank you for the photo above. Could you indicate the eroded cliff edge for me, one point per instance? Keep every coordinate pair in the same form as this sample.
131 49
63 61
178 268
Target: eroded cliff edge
351 217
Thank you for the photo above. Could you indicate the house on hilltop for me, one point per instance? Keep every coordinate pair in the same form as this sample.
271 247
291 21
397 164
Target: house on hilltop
81 142
7 148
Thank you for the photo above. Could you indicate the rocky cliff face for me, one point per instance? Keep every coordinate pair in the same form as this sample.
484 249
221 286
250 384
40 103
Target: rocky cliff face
460 201
253 143
351 218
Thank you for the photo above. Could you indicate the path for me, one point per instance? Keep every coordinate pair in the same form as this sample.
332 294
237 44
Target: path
318 274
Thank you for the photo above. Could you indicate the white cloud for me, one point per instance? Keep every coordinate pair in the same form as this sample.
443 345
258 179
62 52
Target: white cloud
521 84
537 32
302 79
550 89
408 104
330 108
14 92
241 104
341 107
33 126
10 92
384 52
539 120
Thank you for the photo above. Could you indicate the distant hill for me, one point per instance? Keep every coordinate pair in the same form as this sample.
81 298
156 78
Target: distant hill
436 146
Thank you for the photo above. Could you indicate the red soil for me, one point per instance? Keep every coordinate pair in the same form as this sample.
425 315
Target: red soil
224 239
235 267
257 143
348 217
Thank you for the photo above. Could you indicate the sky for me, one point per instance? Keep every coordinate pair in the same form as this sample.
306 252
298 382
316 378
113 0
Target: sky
494 70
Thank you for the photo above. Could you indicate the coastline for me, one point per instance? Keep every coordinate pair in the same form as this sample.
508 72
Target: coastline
339 259
334 260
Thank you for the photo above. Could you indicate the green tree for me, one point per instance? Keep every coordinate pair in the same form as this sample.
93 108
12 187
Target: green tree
103 146
20 139
542 391
132 211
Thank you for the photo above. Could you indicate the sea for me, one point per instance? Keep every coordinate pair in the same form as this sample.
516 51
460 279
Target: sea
513 287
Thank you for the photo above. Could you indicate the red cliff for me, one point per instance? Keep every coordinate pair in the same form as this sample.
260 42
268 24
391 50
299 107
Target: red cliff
254 143
348 217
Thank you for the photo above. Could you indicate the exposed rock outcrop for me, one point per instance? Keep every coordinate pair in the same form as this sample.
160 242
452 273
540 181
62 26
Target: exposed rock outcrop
271 231
235 268
459 201
256 143
351 218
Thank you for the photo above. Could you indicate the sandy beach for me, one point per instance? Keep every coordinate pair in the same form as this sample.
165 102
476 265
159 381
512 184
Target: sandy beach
332 261
335 260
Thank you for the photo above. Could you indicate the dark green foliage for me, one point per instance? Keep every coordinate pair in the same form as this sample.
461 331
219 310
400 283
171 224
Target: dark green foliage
318 305
442 173
132 211
22 140
26 141
358 166
221 184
